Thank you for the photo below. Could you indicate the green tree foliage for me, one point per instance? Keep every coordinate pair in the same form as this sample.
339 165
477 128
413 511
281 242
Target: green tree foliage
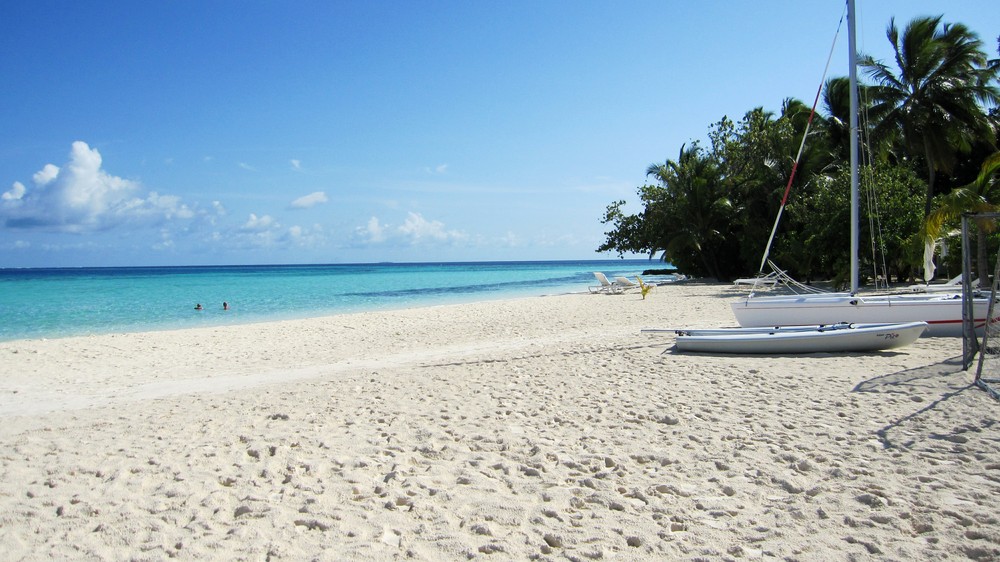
763 150
711 211
691 187
930 104
836 126
980 196
817 244
757 157
891 219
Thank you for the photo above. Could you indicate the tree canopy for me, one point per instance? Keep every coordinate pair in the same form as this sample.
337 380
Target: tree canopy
932 120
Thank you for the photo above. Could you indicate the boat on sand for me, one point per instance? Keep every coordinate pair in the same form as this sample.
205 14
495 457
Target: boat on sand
832 338
941 311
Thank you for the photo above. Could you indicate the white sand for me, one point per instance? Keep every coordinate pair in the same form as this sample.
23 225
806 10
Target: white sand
537 428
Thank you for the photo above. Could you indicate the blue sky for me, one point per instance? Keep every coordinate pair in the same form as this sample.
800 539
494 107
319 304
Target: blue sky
223 132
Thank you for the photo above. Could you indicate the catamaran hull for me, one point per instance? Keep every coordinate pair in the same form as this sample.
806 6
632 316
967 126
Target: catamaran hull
813 339
942 313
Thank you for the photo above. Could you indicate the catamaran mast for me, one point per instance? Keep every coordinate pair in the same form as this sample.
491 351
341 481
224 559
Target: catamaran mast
853 78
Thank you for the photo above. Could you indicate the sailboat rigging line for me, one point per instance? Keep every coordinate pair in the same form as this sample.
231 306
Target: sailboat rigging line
880 268
802 145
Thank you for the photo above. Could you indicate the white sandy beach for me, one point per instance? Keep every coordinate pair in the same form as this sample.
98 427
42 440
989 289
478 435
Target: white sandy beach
539 428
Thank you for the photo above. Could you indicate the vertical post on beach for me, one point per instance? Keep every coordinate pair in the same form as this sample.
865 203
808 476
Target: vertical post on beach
853 80
970 342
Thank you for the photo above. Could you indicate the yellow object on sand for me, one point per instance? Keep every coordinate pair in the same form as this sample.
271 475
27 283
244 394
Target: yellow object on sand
644 287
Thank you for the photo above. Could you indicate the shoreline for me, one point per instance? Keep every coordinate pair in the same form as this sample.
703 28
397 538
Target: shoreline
536 427
119 300
232 349
291 317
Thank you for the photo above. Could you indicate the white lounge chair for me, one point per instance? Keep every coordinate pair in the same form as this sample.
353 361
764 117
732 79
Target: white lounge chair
624 283
769 280
953 285
605 286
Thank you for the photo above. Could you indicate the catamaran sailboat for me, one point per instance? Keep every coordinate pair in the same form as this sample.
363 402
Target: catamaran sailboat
943 312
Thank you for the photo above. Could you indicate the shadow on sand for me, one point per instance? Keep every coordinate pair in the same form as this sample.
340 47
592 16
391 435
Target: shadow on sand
938 382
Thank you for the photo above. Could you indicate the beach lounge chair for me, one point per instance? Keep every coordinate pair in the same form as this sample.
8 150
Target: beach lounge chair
953 285
606 287
624 283
769 280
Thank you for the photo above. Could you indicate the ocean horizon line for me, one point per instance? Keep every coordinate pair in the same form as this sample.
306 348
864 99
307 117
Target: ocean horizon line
335 264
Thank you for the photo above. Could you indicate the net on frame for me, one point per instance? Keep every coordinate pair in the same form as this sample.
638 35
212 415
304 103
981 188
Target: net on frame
988 367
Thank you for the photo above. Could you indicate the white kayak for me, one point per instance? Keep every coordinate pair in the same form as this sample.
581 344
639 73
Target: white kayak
800 339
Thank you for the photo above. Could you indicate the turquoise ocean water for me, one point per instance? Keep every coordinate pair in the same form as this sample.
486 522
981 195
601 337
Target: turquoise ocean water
50 303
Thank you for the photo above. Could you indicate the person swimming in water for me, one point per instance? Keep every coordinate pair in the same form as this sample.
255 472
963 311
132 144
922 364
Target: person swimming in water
197 306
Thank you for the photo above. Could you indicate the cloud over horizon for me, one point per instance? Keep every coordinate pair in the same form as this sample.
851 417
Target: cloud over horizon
82 197
265 231
414 230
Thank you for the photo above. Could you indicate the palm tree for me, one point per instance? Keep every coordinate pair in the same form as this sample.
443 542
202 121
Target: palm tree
836 100
687 215
980 196
695 212
932 103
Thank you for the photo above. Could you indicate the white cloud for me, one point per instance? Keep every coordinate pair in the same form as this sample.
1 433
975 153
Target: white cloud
46 174
371 233
166 241
257 232
82 197
311 200
304 237
16 192
259 224
216 212
417 228
296 164
510 240
15 245
439 169
264 232
414 230
247 167
171 206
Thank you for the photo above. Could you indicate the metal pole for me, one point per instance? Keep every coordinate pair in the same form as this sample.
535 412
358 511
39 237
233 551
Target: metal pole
970 344
853 78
